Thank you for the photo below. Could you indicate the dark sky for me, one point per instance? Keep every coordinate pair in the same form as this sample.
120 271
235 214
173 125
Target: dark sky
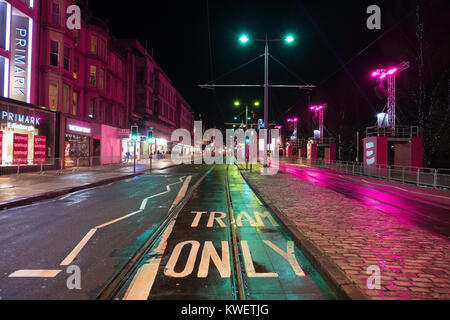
328 35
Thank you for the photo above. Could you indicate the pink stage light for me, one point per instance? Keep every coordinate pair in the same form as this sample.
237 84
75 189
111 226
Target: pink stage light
392 71
375 73
383 76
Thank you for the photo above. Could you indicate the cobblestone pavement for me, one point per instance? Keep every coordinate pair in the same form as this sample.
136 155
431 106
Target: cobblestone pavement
413 261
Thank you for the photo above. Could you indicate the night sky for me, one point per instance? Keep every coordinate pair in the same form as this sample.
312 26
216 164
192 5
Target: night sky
333 49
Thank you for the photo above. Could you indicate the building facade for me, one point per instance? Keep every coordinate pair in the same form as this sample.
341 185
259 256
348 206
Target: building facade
154 103
83 78
72 94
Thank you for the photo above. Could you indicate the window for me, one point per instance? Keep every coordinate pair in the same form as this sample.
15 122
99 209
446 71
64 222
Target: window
74 103
53 95
116 89
67 58
76 67
54 53
102 48
100 111
55 14
3 22
108 83
93 76
94 44
101 79
92 106
66 98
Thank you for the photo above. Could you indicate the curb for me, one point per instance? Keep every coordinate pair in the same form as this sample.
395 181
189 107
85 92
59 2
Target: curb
343 285
54 194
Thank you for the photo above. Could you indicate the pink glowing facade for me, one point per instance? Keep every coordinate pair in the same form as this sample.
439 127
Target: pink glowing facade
95 86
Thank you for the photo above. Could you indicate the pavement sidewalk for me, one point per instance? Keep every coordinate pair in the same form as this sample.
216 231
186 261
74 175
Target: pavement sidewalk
349 237
23 189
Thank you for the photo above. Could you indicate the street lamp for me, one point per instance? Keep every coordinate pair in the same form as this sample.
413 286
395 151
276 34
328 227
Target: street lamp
237 103
244 39
289 39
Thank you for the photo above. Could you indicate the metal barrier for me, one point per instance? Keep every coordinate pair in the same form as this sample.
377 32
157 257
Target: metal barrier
68 165
429 177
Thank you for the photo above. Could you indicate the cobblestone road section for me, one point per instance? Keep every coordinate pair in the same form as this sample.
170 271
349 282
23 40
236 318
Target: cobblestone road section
413 261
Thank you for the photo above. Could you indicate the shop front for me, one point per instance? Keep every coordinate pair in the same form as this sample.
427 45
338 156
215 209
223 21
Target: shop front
27 134
79 143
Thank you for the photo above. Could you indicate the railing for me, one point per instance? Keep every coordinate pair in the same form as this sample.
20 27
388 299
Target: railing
400 132
435 178
71 165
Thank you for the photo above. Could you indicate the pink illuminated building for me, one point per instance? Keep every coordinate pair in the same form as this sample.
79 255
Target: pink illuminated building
82 77
154 103
72 94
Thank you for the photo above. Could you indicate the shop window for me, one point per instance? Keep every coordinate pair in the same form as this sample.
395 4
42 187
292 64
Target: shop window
76 68
66 98
93 76
74 103
54 53
53 96
55 14
67 58
92 106
94 44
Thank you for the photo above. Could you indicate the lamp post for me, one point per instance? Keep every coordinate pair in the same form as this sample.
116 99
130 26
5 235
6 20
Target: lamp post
318 110
244 39
237 104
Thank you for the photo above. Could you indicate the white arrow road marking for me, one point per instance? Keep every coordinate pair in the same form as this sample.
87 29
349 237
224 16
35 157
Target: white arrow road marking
143 281
74 253
35 274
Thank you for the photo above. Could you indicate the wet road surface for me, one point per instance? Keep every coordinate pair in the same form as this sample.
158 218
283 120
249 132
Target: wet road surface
426 208
195 258
97 230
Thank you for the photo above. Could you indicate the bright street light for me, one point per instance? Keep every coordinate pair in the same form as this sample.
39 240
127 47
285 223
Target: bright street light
256 104
289 39
237 104
244 39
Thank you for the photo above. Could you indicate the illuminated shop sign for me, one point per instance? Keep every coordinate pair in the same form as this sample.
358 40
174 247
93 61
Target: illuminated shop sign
20 65
20 121
79 129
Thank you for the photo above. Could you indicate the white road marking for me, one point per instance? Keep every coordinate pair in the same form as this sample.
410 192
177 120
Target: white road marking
69 259
35 274
143 281
74 253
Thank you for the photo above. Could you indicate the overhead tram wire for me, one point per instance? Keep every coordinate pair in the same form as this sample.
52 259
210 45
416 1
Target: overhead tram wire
237 68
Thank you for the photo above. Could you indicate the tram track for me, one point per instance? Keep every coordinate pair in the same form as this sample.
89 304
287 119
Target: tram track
239 278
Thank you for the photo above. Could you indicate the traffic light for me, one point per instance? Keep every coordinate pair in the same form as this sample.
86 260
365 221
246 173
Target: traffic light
150 137
134 133
247 140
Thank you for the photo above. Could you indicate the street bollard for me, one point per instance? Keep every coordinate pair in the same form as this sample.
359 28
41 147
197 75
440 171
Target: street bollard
403 175
418 176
